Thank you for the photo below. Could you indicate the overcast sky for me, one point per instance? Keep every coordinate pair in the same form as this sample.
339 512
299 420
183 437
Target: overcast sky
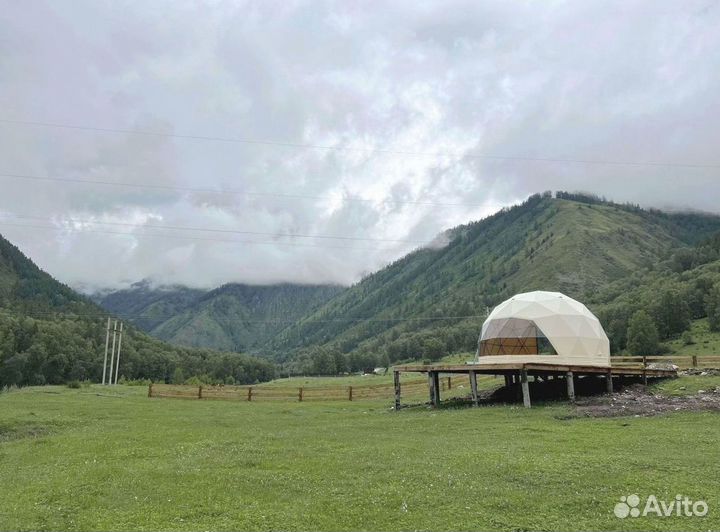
410 93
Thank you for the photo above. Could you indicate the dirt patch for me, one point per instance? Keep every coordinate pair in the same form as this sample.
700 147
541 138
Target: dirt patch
636 401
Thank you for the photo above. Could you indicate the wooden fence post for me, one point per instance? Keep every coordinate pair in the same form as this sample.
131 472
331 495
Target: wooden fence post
250 393
449 383
200 392
694 361
300 394
150 390
349 393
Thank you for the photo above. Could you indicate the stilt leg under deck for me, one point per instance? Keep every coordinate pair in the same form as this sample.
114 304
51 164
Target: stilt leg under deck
434 387
396 382
525 388
570 378
608 377
473 387
431 384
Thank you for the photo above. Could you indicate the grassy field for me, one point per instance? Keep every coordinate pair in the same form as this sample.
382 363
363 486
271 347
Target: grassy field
103 459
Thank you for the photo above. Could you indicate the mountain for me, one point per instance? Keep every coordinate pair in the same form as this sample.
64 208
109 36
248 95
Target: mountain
233 317
618 259
433 301
51 334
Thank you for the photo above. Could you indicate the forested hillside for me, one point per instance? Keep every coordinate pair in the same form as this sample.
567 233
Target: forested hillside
432 302
51 334
233 317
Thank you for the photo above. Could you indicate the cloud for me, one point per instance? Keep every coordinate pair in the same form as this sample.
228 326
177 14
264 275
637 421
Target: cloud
410 93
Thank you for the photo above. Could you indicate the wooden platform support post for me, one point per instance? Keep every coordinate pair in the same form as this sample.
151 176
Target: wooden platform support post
396 383
694 361
300 394
609 382
473 387
434 387
431 384
508 381
249 397
570 378
350 391
525 387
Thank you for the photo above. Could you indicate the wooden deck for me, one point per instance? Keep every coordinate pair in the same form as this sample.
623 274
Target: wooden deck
519 372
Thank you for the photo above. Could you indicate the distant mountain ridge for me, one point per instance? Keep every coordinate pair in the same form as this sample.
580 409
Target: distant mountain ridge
232 317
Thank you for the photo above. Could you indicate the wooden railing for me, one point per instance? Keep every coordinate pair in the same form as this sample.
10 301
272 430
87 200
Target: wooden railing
683 362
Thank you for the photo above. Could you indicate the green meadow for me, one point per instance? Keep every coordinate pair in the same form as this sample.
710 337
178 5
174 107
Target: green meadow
112 459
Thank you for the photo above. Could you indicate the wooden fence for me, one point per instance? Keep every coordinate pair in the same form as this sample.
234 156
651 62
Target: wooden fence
683 362
456 384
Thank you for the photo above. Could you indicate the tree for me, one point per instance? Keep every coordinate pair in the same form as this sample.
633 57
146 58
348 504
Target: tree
671 313
323 363
178 376
642 334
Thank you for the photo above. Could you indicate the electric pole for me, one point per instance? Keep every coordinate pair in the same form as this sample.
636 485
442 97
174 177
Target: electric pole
107 342
117 366
112 354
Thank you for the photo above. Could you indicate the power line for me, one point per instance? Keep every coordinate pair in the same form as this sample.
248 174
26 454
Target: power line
299 321
230 191
239 140
216 230
187 237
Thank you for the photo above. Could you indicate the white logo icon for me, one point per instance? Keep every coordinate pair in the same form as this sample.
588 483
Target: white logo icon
628 506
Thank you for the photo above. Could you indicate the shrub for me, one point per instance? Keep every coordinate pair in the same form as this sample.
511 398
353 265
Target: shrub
74 384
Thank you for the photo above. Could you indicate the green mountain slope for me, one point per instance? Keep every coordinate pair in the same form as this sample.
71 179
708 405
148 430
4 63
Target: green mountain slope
419 305
233 317
51 334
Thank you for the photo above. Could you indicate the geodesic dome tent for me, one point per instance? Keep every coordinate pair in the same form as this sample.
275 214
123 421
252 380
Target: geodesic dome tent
545 327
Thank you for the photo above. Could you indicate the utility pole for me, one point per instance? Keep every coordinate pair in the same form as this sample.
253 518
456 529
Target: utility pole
107 342
112 354
117 367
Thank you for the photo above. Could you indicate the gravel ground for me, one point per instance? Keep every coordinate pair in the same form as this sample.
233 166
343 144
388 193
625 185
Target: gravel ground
636 401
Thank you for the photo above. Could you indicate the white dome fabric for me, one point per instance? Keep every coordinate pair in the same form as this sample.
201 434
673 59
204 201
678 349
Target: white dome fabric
573 331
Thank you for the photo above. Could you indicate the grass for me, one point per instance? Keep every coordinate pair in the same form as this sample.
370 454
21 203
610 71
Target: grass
363 380
705 342
687 385
115 460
